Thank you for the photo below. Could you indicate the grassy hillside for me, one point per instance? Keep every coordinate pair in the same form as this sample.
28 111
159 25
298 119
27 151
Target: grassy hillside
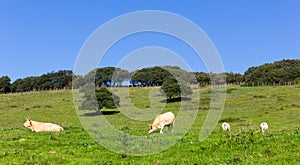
245 108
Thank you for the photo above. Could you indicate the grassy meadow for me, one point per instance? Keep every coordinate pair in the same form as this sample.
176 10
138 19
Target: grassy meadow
245 108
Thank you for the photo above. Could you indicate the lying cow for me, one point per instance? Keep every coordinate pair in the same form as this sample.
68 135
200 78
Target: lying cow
264 127
166 119
225 126
42 127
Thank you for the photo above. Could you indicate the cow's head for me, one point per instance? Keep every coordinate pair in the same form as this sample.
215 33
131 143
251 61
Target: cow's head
151 129
28 123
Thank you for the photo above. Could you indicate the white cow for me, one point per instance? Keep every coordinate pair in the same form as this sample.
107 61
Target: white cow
225 126
166 119
42 127
264 127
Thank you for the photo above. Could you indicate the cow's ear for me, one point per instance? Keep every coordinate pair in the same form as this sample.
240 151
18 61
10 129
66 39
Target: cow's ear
27 118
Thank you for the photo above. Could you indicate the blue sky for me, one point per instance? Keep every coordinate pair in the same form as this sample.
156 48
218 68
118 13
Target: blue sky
37 37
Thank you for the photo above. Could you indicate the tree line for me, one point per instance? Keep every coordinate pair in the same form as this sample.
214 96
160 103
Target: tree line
61 79
279 72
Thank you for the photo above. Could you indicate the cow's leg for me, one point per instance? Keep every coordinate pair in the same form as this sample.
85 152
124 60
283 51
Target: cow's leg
161 128
170 128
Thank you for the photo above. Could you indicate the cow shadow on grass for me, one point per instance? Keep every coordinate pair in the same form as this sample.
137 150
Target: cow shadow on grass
177 99
91 114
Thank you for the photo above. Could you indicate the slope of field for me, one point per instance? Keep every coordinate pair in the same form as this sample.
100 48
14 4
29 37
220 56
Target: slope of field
245 108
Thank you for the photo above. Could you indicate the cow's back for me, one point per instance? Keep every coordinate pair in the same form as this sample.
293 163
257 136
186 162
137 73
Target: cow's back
167 118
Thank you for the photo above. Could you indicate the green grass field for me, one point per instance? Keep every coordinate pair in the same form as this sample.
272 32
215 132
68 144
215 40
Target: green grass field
244 109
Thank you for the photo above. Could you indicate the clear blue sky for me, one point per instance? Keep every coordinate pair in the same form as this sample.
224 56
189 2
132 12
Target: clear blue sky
37 37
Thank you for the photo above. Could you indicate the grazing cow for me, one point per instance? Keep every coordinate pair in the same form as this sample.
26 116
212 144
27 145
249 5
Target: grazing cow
42 127
225 126
166 119
263 127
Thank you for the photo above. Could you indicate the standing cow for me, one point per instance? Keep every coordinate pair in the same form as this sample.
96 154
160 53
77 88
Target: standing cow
225 126
264 127
42 127
166 119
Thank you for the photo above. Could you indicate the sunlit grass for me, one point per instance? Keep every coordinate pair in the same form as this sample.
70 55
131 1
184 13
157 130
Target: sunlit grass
244 109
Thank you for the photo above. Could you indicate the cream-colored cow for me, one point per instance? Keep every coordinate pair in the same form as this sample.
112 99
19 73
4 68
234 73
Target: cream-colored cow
264 127
166 119
225 126
42 127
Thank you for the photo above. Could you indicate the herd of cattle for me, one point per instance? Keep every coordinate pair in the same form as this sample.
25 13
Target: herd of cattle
161 120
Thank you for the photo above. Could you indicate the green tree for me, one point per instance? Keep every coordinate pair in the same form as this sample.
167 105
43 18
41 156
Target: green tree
78 81
155 76
233 78
5 86
160 75
202 78
297 80
278 72
145 76
119 75
172 88
181 74
103 76
98 100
